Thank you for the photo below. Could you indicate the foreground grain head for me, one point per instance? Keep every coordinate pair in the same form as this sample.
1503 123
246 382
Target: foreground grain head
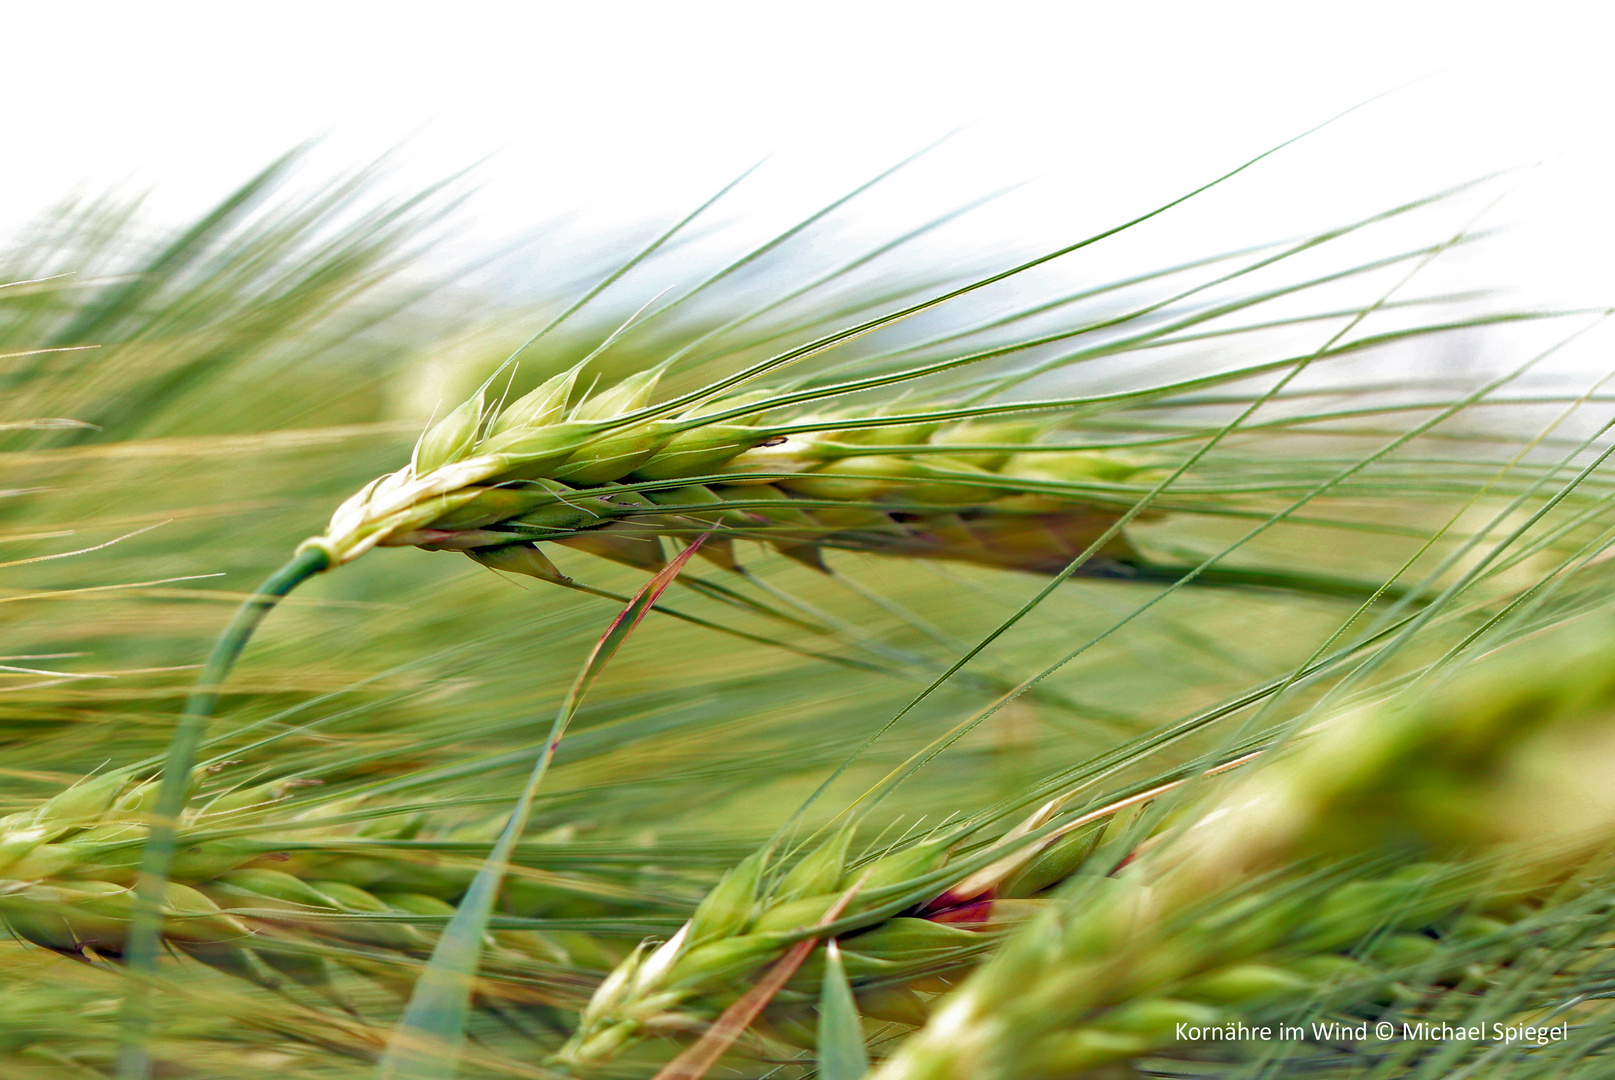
1241 904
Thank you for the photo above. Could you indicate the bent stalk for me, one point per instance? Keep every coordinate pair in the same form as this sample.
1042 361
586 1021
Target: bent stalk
145 928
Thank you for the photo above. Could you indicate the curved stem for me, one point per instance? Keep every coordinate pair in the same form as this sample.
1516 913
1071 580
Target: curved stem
146 923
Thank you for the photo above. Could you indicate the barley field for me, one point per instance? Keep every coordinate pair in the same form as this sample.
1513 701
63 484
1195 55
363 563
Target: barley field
790 658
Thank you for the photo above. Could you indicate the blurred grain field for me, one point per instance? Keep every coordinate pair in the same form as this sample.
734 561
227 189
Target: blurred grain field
181 409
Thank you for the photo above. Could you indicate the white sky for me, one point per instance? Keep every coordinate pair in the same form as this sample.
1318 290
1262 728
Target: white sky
626 112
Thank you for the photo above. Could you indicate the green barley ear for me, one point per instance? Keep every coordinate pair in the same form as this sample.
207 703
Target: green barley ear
925 489
544 406
451 438
742 925
1491 756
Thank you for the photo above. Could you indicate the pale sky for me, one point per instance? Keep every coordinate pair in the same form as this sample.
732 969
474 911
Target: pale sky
624 113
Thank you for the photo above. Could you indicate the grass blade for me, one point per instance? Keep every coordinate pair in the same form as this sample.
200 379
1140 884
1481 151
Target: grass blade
842 1054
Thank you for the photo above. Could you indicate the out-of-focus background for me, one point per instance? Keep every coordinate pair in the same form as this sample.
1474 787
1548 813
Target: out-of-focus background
588 118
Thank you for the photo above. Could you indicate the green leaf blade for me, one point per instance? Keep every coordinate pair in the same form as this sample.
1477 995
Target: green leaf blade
842 1054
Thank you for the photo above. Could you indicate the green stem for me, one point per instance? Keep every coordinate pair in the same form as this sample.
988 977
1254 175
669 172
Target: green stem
1297 581
146 923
